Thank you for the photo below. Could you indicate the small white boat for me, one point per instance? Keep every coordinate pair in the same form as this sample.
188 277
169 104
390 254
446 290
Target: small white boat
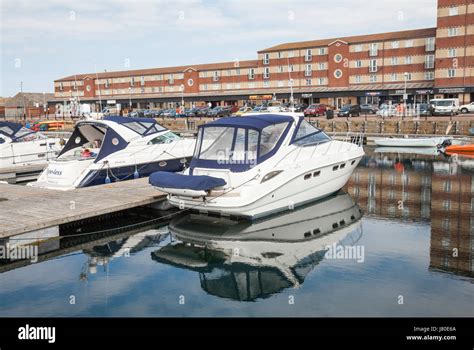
261 164
20 146
115 149
410 141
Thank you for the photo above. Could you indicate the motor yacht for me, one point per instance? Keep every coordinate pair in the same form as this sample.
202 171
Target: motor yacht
115 149
20 146
245 260
260 164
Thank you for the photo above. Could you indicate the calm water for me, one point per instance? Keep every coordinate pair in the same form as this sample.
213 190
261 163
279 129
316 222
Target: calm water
404 222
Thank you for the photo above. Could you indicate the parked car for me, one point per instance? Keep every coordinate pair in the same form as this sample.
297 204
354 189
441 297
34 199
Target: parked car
243 110
202 112
445 106
315 110
169 113
467 108
213 112
349 111
225 111
425 109
136 114
368 108
300 107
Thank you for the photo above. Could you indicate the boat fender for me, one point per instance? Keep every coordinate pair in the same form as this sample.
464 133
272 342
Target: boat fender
136 174
107 178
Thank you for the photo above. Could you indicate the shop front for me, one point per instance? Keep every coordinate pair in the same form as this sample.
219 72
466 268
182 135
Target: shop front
464 94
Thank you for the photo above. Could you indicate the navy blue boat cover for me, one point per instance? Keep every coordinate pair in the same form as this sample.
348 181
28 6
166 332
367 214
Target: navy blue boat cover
165 179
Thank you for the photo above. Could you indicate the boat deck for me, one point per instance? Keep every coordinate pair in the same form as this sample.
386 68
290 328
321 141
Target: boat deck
28 209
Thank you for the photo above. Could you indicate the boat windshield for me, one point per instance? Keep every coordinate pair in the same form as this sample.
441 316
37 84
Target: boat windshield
307 134
237 147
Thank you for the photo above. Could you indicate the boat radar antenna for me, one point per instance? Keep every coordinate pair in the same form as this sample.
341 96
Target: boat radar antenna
290 82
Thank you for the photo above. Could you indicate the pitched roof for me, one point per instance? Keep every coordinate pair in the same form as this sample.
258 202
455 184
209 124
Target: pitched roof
406 34
154 71
28 98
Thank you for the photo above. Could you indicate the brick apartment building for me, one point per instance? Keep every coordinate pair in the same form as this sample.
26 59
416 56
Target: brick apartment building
427 63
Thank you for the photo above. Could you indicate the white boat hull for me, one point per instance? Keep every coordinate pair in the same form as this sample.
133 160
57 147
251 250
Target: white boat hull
410 142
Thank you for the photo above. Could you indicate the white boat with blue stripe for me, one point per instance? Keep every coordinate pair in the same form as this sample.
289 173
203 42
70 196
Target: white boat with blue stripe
115 149
259 164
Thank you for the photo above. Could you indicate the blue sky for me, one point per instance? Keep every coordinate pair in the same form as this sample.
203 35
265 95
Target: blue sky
49 39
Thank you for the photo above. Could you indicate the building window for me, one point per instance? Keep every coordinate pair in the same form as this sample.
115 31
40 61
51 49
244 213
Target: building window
321 66
409 43
171 89
251 73
107 84
321 81
237 71
408 60
61 87
374 49
308 70
308 82
251 85
159 77
229 86
170 79
204 74
358 64
429 75
373 66
452 31
395 44
74 85
394 61
308 56
447 205
358 48
291 54
338 73
429 61
204 87
408 76
280 83
266 73
215 76
280 69
279 54
215 86
373 78
291 68
452 53
132 81
142 81
266 58
229 73
322 50
453 11
430 44
447 186
266 83
237 85
394 77
358 79
451 73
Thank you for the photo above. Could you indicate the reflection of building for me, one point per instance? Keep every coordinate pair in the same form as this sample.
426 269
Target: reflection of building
439 192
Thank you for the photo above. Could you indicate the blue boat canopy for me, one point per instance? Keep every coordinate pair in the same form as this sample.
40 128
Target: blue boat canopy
142 126
257 122
240 143
165 179
14 131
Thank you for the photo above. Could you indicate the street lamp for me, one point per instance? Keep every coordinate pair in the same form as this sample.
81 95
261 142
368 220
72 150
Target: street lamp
182 98
405 95
130 97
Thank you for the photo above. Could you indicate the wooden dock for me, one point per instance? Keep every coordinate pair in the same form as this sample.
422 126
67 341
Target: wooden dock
26 209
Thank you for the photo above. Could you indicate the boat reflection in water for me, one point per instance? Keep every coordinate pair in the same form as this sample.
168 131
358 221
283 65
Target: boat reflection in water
250 260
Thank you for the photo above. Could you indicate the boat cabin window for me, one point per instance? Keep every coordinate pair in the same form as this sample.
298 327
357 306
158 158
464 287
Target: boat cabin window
307 134
165 138
87 145
216 143
2 140
144 128
270 136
